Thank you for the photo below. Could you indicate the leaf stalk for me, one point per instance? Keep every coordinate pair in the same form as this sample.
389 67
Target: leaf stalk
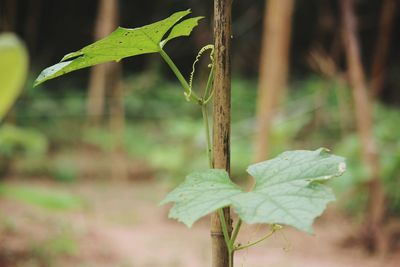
188 91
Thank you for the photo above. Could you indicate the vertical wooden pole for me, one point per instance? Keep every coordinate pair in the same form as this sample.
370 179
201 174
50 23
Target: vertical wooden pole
363 111
222 118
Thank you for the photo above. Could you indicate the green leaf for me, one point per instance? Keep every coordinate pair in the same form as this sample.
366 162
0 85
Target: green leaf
13 69
201 194
122 43
182 29
288 190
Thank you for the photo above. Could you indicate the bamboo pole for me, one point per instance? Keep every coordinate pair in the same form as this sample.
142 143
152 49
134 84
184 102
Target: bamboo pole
221 119
376 207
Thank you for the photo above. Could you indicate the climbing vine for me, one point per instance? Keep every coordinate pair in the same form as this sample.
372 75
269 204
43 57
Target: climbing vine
289 189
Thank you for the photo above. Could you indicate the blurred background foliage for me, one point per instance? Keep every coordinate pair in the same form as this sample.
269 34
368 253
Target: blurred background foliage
46 134
166 133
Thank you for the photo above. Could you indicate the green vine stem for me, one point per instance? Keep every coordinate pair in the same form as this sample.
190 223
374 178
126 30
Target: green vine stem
231 248
235 232
204 108
203 101
188 91
224 227
207 96
204 111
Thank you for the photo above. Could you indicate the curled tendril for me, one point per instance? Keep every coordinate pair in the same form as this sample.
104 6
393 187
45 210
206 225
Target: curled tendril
199 54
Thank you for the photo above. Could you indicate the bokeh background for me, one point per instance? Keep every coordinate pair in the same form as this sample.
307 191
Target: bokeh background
86 158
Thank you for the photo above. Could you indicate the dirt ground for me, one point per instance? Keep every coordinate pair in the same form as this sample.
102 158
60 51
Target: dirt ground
122 225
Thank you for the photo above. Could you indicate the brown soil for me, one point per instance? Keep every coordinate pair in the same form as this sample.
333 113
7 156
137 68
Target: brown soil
122 225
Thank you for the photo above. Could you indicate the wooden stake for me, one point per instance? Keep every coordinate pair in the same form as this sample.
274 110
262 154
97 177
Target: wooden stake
222 119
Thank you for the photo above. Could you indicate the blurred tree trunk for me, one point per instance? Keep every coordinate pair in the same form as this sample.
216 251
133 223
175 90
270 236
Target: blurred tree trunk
382 46
119 167
221 120
273 69
8 14
105 81
376 204
32 23
106 22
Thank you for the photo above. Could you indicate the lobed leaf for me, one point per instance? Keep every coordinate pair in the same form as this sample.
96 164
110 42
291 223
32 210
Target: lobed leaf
288 190
184 28
201 194
122 43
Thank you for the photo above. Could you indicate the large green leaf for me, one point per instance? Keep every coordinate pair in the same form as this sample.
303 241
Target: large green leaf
13 69
201 194
288 190
123 43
